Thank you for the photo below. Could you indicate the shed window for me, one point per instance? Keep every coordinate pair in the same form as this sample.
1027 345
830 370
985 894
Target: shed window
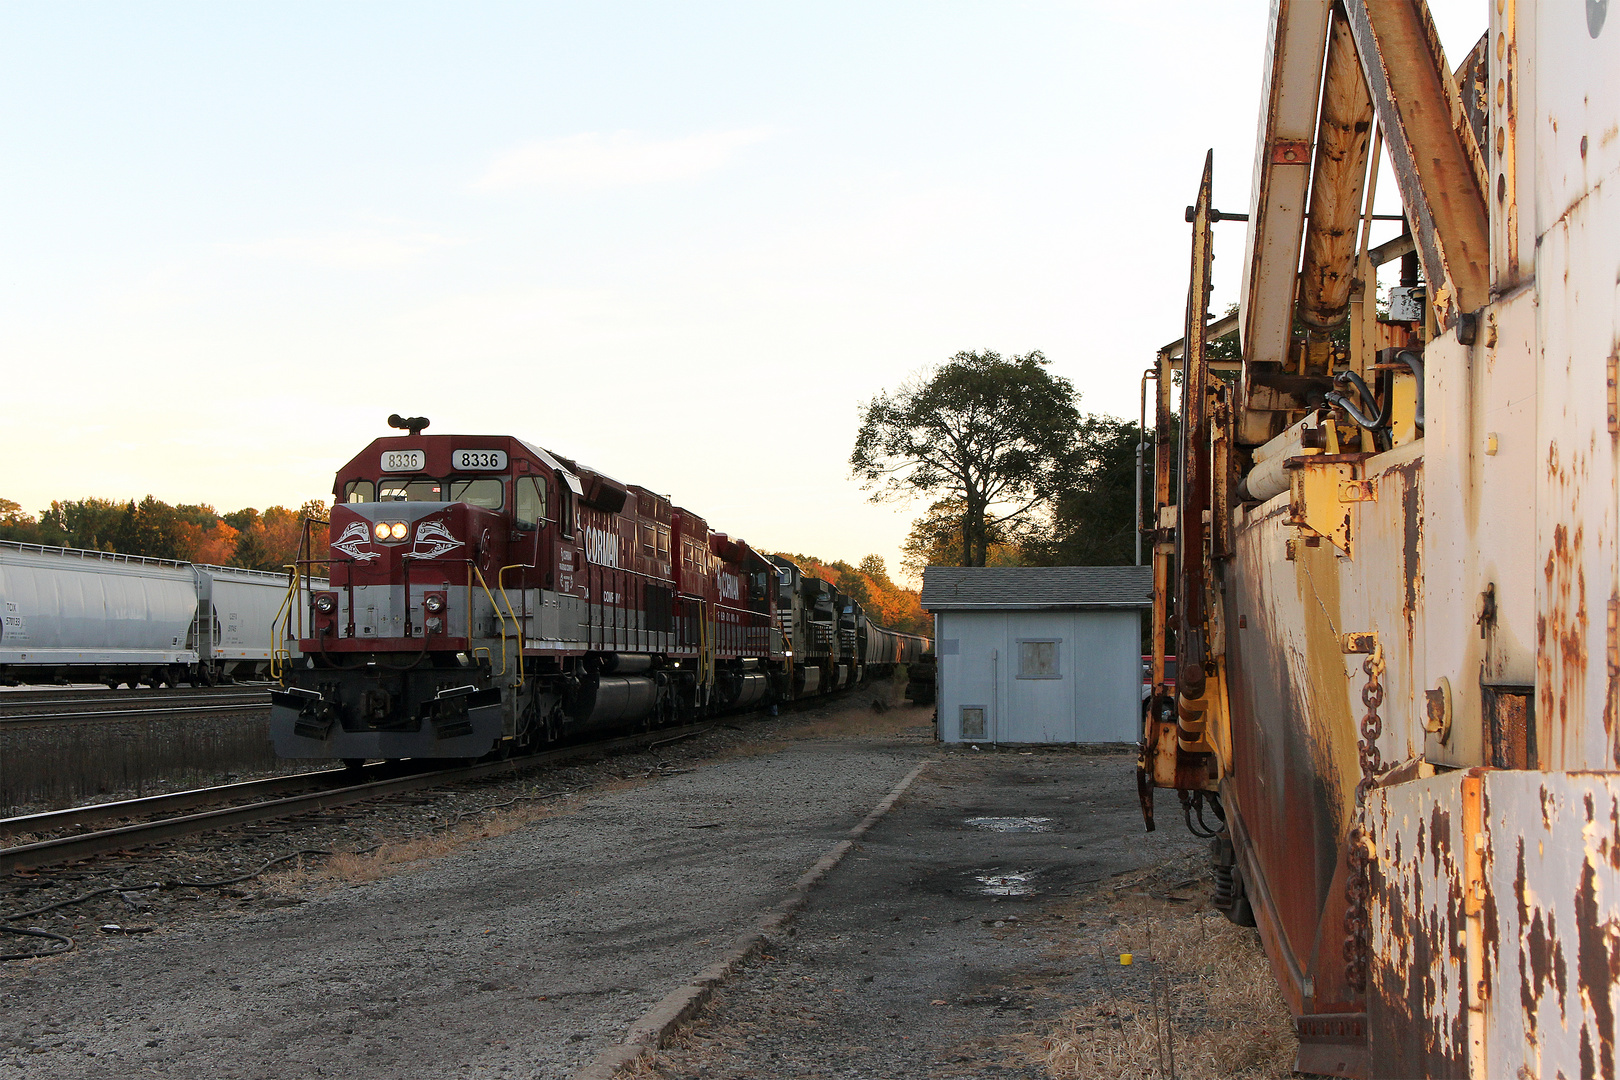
1038 659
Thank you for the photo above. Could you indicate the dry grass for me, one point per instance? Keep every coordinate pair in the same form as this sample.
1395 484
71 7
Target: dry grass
862 721
1205 980
384 860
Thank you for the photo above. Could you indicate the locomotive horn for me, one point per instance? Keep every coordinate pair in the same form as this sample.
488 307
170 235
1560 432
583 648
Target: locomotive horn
413 424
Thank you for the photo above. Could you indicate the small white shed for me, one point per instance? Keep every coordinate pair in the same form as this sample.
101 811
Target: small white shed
1038 654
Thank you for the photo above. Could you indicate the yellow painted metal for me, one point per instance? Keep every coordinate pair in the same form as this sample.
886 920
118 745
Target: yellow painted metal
1319 494
499 616
1403 408
279 654
517 624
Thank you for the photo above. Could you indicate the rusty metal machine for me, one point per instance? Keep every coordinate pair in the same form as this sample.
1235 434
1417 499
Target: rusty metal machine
1387 547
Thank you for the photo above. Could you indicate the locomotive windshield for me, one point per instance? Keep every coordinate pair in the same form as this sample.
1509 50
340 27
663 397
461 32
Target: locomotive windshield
486 491
400 490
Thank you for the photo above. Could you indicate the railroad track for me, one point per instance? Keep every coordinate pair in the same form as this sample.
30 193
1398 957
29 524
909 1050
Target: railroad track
27 708
21 696
276 797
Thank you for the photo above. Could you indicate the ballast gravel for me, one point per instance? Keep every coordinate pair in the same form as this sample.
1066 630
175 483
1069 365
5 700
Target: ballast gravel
518 955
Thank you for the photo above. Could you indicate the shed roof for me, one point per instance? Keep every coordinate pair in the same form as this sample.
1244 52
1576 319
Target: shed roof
979 588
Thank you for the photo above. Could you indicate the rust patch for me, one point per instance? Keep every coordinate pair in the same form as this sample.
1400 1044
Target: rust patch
1490 934
1412 547
1561 633
1560 967
1611 699
1439 836
1597 964
1614 835
1529 993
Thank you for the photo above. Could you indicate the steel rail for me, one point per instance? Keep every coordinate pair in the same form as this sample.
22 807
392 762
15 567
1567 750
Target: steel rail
72 848
135 713
26 699
50 820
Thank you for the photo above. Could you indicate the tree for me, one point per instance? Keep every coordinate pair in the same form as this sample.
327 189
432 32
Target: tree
1093 520
988 432
936 540
16 523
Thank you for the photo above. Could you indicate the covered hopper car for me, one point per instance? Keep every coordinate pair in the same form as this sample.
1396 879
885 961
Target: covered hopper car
487 595
95 616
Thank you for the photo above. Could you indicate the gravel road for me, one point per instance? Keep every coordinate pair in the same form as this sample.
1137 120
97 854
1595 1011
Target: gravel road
954 936
518 955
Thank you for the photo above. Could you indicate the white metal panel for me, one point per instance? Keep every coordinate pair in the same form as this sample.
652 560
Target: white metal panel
63 608
1577 105
1578 588
244 607
1479 516
1552 935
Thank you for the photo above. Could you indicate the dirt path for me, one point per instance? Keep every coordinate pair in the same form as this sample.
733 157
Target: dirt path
977 933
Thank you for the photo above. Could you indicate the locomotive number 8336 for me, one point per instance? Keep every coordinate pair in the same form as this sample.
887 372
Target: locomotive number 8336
485 595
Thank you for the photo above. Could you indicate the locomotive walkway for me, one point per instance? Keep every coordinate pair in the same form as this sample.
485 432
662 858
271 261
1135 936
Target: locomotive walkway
531 953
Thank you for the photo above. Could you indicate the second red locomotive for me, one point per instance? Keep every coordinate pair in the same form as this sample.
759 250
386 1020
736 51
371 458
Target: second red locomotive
486 595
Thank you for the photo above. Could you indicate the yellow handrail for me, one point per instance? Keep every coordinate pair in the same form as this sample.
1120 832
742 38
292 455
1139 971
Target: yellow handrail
705 653
517 624
288 603
498 615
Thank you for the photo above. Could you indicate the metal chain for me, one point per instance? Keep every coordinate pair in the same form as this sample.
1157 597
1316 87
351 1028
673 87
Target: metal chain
1355 913
1358 857
1372 695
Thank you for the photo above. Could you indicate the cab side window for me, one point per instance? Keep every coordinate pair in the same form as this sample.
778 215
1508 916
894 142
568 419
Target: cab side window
565 510
530 499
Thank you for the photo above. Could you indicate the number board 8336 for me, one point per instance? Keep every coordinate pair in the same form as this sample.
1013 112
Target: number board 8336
477 460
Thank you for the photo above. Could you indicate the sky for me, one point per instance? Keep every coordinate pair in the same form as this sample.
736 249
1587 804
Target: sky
680 243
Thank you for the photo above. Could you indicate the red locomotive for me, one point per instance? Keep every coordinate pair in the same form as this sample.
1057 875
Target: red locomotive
488 596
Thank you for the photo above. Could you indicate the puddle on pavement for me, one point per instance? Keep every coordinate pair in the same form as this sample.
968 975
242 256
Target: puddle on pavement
1020 883
1011 824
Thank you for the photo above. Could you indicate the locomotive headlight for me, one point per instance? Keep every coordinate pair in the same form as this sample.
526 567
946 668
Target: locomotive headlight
326 603
381 530
434 603
397 530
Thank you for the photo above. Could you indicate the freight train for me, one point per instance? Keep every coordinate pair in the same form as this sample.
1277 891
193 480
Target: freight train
488 596
1387 547
94 616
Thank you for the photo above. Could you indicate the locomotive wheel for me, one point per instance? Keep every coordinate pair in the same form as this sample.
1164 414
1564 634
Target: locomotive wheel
353 764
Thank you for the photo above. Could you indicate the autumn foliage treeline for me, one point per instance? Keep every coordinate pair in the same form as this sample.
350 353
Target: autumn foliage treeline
884 602
268 540
255 539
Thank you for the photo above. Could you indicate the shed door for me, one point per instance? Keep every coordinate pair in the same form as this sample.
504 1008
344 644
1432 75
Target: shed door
1038 678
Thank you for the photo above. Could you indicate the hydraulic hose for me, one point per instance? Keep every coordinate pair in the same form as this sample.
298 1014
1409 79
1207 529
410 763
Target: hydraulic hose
1371 423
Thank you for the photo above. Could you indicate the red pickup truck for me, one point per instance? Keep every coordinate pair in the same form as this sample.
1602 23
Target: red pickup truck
1147 676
